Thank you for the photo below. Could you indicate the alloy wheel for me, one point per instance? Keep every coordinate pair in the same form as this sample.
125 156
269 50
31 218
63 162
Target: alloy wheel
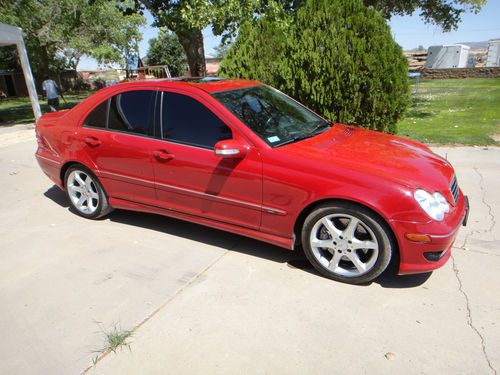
82 191
344 245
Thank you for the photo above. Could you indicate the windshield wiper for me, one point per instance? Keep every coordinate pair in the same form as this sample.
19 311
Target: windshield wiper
309 134
295 139
320 126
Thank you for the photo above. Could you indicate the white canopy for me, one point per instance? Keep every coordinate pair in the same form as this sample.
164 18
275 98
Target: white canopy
14 35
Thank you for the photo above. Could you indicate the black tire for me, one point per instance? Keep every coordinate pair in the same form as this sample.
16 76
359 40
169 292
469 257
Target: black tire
99 207
372 227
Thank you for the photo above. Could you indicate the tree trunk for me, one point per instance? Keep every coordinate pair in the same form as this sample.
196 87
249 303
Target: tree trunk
192 42
44 56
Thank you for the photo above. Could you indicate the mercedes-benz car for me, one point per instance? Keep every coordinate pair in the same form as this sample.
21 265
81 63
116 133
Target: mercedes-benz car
243 157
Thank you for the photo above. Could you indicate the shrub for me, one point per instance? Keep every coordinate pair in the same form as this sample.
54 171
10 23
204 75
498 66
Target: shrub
99 83
336 56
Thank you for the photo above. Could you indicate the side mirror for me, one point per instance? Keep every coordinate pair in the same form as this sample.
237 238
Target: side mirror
230 148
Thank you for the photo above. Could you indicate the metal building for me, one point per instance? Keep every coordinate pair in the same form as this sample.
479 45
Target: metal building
446 57
493 58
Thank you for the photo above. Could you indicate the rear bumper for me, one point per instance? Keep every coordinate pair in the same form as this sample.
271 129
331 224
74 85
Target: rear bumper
418 257
50 166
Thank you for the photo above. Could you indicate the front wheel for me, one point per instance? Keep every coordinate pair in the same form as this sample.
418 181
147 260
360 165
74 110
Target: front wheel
347 243
85 193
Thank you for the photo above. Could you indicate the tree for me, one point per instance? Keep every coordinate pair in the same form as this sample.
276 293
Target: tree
221 50
335 56
60 32
257 52
166 50
445 13
187 19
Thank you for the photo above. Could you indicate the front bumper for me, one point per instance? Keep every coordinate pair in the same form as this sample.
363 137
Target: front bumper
418 257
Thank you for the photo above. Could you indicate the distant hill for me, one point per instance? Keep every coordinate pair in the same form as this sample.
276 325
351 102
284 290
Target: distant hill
476 45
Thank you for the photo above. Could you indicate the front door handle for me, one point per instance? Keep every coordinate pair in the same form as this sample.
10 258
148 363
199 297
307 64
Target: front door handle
92 141
162 155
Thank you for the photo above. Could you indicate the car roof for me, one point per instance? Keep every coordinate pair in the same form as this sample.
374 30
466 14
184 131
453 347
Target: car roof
207 84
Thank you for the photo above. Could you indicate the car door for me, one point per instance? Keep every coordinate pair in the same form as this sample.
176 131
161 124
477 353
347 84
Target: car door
116 135
190 178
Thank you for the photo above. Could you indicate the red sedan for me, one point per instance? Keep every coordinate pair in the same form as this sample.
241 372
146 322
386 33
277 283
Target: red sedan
241 156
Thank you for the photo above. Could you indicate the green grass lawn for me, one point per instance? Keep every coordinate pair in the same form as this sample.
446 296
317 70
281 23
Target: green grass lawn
18 110
454 111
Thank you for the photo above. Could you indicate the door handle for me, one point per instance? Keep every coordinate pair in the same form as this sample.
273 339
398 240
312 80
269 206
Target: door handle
162 155
92 141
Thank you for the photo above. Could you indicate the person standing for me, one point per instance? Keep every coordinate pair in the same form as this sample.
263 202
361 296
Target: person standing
52 91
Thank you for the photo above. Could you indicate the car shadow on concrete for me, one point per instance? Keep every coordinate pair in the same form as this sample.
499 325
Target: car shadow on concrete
233 242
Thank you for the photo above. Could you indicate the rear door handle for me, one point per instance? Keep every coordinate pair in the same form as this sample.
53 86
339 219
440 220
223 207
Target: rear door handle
162 155
92 141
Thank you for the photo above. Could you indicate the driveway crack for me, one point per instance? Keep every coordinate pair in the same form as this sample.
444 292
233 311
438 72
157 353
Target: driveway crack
483 199
490 213
470 322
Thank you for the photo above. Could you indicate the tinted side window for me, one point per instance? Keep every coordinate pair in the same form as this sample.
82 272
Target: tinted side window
185 120
97 118
131 112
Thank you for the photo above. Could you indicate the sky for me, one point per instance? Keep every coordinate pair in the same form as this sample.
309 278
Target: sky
409 32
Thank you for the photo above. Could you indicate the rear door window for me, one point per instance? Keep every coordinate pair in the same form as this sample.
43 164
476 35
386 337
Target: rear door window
131 112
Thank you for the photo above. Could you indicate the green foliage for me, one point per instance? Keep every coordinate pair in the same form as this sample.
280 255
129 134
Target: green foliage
166 50
444 13
59 32
335 56
257 53
9 60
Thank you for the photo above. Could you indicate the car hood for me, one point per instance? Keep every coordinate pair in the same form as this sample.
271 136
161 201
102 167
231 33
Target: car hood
347 148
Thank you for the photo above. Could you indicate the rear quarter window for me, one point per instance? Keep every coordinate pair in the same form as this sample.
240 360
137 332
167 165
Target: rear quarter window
97 118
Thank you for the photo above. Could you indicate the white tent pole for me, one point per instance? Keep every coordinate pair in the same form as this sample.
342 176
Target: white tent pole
28 76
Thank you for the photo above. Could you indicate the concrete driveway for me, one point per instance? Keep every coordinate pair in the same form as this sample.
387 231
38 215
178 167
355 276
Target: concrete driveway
202 301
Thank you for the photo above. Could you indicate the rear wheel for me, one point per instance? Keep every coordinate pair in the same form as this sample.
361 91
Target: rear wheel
85 193
347 243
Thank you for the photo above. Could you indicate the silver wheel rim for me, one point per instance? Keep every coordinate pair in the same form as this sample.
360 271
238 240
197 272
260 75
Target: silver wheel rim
82 191
344 245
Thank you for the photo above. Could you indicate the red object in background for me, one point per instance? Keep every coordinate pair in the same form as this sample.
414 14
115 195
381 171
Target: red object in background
248 185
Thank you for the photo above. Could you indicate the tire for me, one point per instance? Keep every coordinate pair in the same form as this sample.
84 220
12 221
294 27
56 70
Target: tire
347 243
85 193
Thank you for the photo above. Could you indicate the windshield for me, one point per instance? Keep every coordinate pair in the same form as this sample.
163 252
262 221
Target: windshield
273 116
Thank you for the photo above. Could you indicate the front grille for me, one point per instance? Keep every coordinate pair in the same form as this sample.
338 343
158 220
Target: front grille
454 188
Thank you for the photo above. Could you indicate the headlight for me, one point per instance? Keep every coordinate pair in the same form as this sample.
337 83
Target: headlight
434 205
